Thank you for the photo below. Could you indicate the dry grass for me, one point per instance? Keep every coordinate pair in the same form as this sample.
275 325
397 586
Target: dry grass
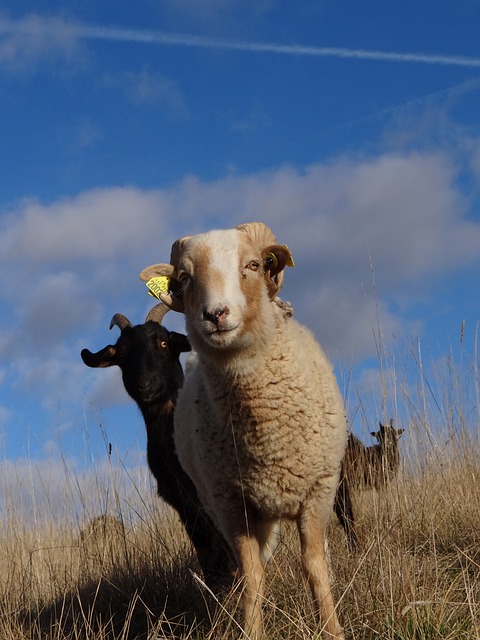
415 577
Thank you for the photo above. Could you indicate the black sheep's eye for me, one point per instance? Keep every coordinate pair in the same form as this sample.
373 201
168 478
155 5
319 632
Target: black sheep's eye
163 344
183 277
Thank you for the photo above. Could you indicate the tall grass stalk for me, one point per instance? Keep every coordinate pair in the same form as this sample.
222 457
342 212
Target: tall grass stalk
97 555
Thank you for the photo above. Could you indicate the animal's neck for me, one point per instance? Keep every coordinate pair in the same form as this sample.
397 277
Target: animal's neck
156 415
390 454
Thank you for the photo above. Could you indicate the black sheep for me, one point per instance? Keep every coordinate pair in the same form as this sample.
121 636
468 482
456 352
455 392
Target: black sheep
364 467
373 466
344 508
148 356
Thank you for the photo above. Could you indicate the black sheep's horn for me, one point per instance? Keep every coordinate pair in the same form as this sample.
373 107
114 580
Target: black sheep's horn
157 313
120 321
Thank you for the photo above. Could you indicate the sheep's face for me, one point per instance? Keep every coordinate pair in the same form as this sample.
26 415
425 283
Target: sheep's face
148 356
221 275
223 281
222 288
387 436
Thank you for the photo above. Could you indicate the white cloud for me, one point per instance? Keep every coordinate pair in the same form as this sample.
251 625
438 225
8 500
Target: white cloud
256 118
85 134
97 225
105 385
145 88
475 163
25 42
69 265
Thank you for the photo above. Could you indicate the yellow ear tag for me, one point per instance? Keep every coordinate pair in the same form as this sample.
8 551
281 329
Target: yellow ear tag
158 285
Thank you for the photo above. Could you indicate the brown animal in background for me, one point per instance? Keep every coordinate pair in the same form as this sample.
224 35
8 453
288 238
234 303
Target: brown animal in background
364 467
373 466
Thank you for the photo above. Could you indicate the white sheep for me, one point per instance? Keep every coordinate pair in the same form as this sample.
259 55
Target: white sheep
260 424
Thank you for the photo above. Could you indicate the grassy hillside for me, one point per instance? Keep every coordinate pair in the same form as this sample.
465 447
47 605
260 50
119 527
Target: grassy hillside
133 575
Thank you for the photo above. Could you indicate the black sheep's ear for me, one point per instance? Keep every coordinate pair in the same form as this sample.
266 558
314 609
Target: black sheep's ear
180 343
106 357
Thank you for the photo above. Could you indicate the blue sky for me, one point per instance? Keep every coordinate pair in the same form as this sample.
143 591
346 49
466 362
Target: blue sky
352 131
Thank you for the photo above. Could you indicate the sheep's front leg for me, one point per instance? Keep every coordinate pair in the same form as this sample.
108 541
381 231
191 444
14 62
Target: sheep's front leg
242 535
252 572
312 530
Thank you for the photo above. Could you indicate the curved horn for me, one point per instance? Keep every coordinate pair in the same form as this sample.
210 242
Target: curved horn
120 321
260 234
157 313
177 248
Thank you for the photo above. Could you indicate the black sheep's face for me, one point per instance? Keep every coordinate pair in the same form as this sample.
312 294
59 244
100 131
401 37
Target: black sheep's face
387 435
150 364
148 355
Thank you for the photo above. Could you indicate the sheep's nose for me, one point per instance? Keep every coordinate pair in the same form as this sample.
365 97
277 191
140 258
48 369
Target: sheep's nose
144 385
216 316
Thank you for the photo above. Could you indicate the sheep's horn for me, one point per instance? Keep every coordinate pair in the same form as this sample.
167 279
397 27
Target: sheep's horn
120 321
177 249
157 313
261 235
172 302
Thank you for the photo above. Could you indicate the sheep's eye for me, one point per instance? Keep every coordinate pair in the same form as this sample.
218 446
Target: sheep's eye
183 278
163 344
253 265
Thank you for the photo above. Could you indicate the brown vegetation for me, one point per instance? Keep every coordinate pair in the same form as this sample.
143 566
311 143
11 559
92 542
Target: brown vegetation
415 575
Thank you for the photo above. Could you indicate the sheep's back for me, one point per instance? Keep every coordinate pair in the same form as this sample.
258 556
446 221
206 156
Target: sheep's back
276 437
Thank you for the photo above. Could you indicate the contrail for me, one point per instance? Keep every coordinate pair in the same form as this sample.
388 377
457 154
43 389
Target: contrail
185 40
36 25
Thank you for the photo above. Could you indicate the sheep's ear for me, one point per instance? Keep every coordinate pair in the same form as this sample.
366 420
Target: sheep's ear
275 258
156 270
106 357
162 269
180 343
